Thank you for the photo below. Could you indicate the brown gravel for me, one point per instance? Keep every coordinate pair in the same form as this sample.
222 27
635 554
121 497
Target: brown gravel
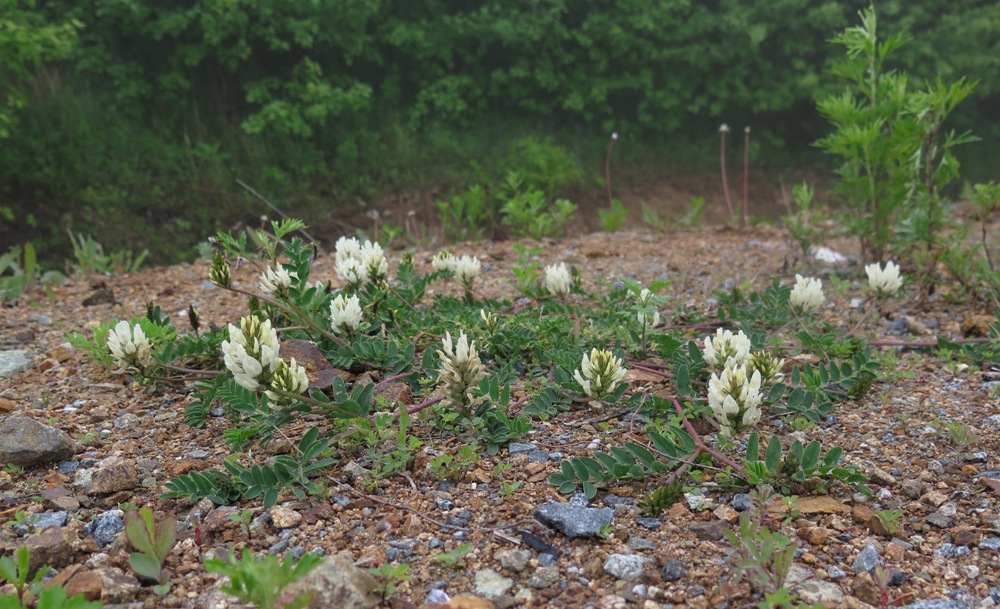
915 471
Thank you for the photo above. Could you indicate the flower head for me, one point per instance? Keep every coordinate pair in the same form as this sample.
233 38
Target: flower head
558 280
643 319
726 349
807 295
444 261
219 272
723 128
251 353
347 247
768 366
734 399
373 259
461 371
345 315
466 269
288 377
130 349
352 271
600 373
277 281
490 320
884 282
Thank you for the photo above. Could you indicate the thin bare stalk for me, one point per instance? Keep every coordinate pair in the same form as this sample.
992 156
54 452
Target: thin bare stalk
250 189
746 176
607 170
723 130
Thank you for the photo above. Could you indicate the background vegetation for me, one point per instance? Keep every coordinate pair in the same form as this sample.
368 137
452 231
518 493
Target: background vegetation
143 114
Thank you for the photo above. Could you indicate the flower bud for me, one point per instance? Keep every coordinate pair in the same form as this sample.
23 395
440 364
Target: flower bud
219 272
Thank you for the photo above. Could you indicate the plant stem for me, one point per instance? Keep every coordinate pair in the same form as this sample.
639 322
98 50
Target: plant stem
607 170
725 177
746 176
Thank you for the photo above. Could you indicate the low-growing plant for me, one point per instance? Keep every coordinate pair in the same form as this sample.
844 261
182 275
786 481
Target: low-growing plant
456 557
693 215
528 211
16 569
262 580
956 432
153 540
391 576
612 220
90 258
467 215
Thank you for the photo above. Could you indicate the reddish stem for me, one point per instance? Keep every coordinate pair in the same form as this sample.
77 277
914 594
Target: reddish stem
746 177
725 176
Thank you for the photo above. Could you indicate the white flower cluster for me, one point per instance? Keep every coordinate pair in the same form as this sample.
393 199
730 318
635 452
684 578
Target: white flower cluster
807 295
289 377
600 373
558 280
465 269
734 399
277 281
358 262
645 299
251 353
884 282
129 348
726 349
461 371
345 315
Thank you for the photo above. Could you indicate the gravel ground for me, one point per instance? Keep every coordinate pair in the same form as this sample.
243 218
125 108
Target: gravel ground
127 442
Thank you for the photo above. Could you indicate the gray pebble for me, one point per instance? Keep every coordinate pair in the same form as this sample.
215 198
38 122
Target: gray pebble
673 570
866 559
105 527
990 543
650 523
628 567
49 519
519 447
741 502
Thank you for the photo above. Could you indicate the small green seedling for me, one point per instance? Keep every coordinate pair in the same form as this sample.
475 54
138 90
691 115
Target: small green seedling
392 576
262 581
154 540
456 557
17 572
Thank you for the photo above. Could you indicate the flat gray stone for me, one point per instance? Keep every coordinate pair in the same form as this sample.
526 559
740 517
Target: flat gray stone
574 520
938 603
12 362
491 584
866 559
26 442
628 567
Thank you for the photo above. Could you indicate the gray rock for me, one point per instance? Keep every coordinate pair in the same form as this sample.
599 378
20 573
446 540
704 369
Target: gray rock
543 577
995 595
650 523
26 442
574 520
49 519
990 473
941 520
514 560
336 582
614 501
519 447
579 499
12 362
814 592
638 543
673 570
835 572
948 550
866 559
538 456
990 543
105 527
741 502
437 595
491 584
938 603
127 421
628 567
